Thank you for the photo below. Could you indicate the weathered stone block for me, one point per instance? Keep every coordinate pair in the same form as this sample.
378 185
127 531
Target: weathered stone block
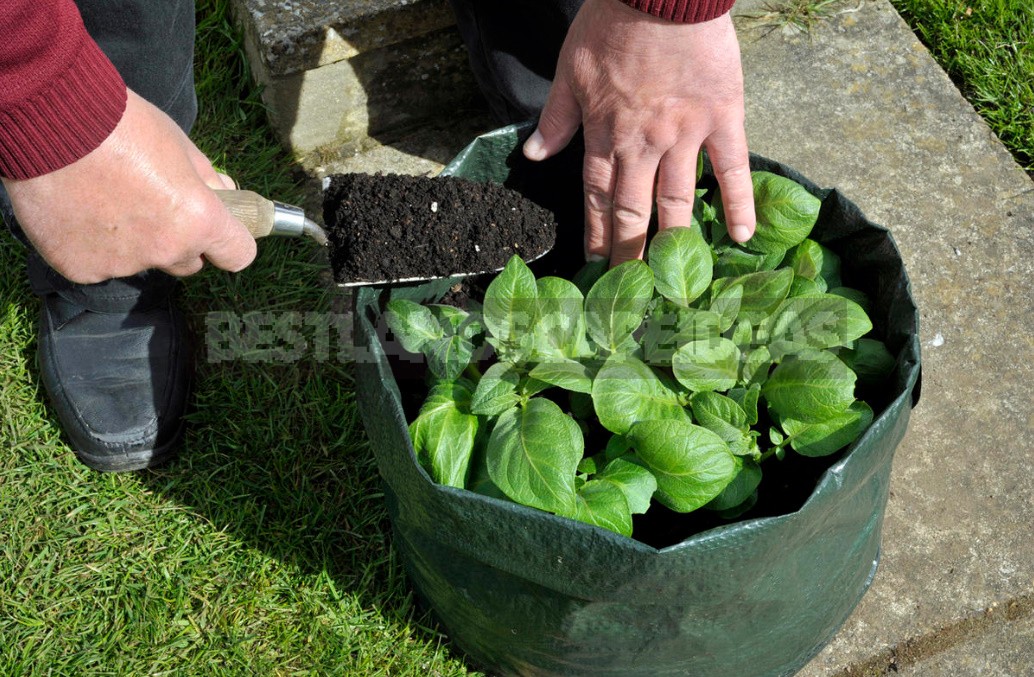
339 77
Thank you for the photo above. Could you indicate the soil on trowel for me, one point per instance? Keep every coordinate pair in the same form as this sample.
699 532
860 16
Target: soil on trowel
388 227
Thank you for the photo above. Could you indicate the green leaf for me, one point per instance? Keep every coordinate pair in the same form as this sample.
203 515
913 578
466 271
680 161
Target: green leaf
456 321
870 360
636 482
626 390
711 364
566 374
859 297
533 454
755 366
602 504
588 274
479 481
531 386
587 466
617 446
811 260
747 398
703 213
413 324
723 416
734 261
447 357
786 212
496 391
762 292
443 434
831 435
669 326
739 510
726 304
692 464
681 264
711 405
511 302
811 386
743 335
823 321
560 321
740 489
616 304
802 286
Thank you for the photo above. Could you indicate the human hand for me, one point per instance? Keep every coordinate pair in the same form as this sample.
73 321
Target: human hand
140 200
649 93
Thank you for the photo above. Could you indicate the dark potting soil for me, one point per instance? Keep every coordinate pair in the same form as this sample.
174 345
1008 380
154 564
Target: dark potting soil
388 227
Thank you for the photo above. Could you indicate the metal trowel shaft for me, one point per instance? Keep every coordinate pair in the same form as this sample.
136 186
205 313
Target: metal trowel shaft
264 217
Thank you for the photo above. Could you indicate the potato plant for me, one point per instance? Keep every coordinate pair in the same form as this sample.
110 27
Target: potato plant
673 379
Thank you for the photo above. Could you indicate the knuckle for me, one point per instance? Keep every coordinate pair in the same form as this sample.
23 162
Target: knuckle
675 201
598 200
630 214
734 176
738 206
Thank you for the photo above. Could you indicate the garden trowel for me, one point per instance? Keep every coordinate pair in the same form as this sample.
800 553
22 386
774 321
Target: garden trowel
264 217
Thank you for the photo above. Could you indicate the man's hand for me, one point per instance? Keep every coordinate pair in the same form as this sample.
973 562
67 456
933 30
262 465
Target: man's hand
140 200
649 93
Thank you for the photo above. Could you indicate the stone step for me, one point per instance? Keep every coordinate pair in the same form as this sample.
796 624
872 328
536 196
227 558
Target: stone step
342 78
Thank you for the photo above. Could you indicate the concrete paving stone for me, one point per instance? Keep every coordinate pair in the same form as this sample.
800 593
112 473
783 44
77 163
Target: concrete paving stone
860 105
1004 650
422 151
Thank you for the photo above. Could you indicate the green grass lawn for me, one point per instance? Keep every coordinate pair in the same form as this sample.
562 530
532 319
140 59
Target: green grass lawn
265 548
987 46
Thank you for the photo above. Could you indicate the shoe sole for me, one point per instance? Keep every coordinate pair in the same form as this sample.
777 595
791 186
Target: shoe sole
134 460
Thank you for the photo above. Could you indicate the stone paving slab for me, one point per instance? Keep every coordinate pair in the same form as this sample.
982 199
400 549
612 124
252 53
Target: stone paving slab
1003 652
860 105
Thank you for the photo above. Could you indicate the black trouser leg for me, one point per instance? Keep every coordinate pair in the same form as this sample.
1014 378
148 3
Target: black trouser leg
114 357
151 43
513 47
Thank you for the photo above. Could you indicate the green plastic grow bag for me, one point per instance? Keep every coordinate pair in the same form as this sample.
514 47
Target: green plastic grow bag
527 593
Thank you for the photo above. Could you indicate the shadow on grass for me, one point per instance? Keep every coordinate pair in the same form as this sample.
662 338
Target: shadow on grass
275 454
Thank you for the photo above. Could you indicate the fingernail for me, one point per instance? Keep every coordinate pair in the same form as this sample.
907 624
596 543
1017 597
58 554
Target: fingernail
593 258
741 233
533 147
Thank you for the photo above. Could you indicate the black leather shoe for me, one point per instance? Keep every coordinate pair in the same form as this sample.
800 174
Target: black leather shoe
115 361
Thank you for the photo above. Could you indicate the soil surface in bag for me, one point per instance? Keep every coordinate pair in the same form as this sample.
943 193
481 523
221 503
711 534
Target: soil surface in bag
390 227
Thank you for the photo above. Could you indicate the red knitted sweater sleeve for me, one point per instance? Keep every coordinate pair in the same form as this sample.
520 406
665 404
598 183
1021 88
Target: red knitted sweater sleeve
60 97
683 11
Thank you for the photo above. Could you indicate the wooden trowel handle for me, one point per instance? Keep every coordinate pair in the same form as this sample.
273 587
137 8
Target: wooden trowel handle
264 217
256 212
